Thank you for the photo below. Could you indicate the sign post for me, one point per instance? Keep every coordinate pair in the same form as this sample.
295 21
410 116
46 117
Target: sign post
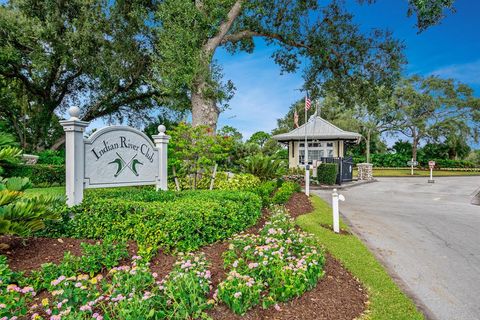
74 156
412 164
114 156
336 215
431 164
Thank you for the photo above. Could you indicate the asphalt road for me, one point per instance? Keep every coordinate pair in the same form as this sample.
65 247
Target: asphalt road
426 234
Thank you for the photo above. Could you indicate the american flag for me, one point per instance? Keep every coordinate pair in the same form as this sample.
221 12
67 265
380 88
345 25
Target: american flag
308 103
295 118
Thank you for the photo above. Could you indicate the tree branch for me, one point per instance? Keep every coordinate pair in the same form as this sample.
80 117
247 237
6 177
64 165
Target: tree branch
225 26
274 36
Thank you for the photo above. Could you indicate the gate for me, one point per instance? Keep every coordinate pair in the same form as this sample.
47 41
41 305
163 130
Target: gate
345 167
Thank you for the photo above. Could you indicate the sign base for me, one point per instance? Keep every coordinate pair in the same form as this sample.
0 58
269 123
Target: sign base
431 181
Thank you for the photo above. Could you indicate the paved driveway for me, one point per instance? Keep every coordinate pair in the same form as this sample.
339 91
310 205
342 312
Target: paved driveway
427 234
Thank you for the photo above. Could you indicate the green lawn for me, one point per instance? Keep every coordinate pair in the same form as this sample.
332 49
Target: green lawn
419 173
53 191
387 301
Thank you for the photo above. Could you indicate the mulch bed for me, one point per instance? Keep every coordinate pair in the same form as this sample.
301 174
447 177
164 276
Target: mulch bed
299 204
338 294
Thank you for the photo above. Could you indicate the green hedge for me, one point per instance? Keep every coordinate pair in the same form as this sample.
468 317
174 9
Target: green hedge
327 173
391 160
182 221
41 175
285 192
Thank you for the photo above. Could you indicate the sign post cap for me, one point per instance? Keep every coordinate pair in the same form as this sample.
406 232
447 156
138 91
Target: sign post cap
74 112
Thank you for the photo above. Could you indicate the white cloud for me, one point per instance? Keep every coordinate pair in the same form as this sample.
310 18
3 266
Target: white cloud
465 72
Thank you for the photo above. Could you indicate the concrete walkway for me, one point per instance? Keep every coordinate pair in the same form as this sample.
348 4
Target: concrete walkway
427 234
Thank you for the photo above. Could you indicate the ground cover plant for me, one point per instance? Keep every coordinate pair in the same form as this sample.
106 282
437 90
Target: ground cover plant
386 300
129 291
277 265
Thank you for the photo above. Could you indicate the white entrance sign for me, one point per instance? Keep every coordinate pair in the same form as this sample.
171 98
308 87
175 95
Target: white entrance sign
120 156
114 156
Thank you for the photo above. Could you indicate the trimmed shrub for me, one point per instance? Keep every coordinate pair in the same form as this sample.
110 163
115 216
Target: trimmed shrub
285 192
327 173
41 175
177 222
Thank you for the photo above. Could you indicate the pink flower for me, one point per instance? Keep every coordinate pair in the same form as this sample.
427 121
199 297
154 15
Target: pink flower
154 274
85 308
3 305
55 317
277 307
237 294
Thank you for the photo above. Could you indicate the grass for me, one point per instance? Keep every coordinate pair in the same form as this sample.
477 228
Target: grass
419 173
387 301
52 191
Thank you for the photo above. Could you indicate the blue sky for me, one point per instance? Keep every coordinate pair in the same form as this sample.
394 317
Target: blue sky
451 49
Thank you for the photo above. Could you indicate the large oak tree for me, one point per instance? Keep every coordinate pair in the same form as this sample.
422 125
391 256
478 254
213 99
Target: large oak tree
335 54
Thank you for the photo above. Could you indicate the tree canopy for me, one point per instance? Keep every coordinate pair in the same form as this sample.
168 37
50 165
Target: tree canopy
319 37
435 108
54 54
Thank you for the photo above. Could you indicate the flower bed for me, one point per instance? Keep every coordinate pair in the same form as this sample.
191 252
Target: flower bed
277 265
108 287
125 292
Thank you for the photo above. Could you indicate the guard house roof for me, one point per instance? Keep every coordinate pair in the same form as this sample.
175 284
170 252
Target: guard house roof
317 128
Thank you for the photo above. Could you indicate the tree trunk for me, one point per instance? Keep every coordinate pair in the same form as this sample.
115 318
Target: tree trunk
204 110
414 148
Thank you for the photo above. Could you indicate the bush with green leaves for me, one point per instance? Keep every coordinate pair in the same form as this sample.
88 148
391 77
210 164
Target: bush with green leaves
264 167
23 216
182 221
285 192
55 157
239 182
277 265
41 175
265 190
10 154
327 173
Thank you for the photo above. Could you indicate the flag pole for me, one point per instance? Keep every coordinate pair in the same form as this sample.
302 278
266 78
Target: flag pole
307 168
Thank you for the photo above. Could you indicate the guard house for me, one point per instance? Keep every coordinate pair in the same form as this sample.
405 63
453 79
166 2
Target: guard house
326 144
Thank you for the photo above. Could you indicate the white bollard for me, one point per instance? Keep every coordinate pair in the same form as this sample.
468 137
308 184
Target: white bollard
336 217
307 180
